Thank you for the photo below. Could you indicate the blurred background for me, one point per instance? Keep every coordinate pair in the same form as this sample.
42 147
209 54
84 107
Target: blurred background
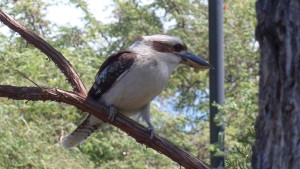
87 32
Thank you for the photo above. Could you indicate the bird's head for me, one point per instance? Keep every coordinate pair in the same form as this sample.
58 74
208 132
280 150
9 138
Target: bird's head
170 48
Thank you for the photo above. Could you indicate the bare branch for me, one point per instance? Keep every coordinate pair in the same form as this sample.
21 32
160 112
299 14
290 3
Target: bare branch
79 100
59 60
132 128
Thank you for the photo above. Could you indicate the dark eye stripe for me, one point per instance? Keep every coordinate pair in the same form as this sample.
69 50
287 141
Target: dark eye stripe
178 47
163 47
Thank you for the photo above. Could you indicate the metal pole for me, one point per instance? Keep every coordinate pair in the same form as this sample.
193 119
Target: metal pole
216 76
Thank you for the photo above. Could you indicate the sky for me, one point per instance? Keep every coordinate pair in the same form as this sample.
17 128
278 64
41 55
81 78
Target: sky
101 9
62 14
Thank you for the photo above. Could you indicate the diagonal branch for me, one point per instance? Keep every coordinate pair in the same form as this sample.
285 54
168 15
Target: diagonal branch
59 60
132 128
79 100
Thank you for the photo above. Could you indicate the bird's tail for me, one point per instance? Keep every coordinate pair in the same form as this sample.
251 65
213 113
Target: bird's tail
82 132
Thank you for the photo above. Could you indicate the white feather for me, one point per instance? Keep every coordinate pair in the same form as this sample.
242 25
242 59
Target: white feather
133 91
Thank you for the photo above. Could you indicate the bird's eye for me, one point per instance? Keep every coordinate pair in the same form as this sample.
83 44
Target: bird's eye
178 47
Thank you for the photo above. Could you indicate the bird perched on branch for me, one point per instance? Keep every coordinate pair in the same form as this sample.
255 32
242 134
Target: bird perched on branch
129 80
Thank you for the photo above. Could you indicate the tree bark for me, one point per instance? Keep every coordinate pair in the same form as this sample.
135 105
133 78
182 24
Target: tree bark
79 99
277 144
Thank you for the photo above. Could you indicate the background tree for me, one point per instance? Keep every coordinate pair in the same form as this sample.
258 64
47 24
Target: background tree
277 126
41 125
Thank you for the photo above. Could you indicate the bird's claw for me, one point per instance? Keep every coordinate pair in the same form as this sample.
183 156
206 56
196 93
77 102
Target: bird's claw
152 133
112 113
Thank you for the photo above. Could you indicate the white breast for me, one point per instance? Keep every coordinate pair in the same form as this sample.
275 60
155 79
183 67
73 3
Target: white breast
138 86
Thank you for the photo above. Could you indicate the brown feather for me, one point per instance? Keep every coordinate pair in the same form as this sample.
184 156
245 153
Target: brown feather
167 48
115 65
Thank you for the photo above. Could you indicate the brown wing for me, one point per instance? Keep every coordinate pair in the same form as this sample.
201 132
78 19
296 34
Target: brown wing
113 67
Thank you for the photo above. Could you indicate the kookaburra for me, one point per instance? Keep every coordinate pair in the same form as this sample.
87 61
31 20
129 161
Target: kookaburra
129 80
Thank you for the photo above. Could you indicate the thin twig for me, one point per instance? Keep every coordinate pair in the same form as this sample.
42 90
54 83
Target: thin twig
22 74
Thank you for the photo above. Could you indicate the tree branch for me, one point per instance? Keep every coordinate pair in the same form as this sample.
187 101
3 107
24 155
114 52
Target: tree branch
59 60
132 128
79 100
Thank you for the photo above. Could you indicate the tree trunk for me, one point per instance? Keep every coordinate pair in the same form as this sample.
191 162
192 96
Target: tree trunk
278 123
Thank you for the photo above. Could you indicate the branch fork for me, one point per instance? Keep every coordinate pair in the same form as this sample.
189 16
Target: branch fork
78 98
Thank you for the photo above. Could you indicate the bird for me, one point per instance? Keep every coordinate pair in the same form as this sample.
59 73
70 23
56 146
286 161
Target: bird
129 80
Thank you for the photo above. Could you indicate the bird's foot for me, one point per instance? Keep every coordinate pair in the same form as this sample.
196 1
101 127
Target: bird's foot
112 113
152 133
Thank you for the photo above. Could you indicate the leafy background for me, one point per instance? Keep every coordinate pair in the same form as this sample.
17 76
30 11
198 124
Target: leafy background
31 131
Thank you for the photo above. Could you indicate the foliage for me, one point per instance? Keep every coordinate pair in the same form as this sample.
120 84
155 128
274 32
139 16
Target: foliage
241 59
30 131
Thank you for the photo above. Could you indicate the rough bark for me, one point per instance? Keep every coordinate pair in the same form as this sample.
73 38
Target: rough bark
278 123
79 100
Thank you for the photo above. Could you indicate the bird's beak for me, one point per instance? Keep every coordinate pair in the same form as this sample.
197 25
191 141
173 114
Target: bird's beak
192 60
